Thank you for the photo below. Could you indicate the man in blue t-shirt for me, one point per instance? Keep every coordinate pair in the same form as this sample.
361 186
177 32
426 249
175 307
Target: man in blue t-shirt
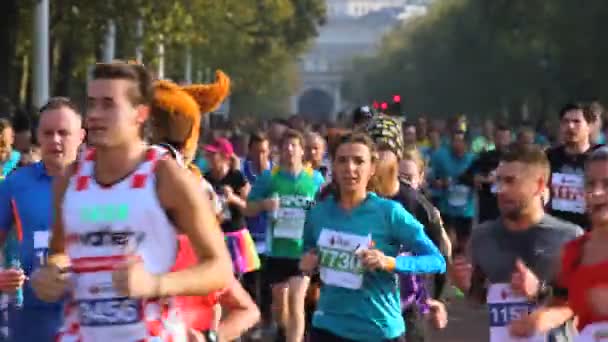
257 161
26 206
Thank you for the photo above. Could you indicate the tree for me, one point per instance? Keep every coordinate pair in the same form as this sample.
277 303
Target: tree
481 57
256 42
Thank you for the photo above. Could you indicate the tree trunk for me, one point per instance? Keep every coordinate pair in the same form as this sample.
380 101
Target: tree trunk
67 47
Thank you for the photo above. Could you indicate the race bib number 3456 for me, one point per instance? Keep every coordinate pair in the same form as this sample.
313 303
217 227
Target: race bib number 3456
106 312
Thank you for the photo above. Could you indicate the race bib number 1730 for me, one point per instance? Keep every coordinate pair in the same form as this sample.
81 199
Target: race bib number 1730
339 264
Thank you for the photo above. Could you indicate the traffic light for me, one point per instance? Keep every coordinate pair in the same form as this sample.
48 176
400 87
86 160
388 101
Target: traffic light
395 107
376 105
384 106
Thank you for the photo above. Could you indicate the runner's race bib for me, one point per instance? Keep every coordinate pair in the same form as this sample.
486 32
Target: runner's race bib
494 186
226 214
104 312
339 265
504 307
41 248
290 223
596 332
567 193
98 304
458 195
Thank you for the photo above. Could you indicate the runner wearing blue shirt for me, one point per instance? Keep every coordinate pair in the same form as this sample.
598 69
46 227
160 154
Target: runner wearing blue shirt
9 158
456 201
26 201
353 239
256 163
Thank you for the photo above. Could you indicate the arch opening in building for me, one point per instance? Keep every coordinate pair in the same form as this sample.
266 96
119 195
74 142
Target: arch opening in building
316 105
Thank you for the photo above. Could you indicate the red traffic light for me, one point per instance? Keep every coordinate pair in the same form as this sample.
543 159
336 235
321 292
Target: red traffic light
384 106
396 98
376 106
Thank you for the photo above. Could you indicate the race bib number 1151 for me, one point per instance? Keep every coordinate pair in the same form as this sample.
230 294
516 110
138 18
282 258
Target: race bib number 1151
504 313
504 307
41 247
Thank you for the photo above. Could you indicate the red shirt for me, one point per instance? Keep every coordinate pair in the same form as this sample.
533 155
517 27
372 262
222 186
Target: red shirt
578 279
197 311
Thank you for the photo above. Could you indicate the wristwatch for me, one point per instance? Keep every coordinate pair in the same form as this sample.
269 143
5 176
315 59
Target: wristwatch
210 336
544 292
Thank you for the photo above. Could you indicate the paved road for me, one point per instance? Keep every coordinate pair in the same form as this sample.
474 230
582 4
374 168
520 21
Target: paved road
465 324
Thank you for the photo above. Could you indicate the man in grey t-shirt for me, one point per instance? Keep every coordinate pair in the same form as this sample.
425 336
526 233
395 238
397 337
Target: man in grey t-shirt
514 258
496 248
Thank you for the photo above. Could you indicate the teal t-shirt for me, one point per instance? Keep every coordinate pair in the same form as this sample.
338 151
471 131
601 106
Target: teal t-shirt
10 164
457 200
482 144
357 304
296 195
201 163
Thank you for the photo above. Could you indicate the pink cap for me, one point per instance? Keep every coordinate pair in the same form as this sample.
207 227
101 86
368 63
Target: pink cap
220 145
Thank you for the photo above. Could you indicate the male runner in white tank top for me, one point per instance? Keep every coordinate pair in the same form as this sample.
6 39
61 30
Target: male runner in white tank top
103 213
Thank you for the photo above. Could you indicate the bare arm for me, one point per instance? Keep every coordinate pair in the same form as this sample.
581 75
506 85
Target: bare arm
191 212
242 313
245 191
550 316
57 254
49 282
254 208
239 199
554 314
469 279
556 311
478 290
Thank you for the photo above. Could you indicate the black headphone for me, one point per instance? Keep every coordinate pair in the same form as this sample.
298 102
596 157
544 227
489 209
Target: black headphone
174 153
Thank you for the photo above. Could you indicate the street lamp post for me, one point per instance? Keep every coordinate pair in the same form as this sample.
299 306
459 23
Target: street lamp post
109 48
188 66
139 49
41 54
161 58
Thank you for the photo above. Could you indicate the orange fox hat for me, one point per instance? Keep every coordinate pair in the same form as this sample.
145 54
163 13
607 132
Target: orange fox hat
177 111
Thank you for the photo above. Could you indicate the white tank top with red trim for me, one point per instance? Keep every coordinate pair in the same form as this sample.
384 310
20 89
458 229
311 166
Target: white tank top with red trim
104 226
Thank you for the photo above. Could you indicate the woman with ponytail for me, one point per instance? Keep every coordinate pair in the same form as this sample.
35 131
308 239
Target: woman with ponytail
416 301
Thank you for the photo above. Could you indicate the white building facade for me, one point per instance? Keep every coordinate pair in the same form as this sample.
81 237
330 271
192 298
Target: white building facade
353 28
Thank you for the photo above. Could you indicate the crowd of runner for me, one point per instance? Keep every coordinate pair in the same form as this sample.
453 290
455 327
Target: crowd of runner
130 221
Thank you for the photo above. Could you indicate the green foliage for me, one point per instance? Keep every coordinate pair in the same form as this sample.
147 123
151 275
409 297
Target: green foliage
255 42
481 57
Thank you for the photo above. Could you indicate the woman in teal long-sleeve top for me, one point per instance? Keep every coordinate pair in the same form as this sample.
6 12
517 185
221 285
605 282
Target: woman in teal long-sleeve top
353 239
